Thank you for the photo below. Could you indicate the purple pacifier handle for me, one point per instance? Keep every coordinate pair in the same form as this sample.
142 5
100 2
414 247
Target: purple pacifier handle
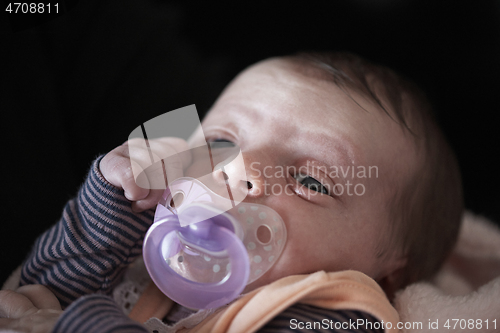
206 234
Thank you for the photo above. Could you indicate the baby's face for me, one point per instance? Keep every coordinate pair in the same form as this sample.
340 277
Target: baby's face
300 138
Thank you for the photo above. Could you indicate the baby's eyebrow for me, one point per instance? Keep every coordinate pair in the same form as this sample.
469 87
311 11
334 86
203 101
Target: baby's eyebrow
332 150
238 115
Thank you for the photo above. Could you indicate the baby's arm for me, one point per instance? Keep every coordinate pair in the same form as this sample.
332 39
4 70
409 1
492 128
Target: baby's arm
33 308
100 232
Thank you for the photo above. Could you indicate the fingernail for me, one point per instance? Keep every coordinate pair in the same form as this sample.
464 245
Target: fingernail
135 207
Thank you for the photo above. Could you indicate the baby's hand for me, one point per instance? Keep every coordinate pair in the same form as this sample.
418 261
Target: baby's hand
129 167
32 308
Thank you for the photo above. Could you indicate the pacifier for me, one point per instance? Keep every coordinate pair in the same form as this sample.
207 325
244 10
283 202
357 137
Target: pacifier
203 249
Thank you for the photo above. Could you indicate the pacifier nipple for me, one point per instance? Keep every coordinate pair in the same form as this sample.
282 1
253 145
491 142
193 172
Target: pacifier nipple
202 250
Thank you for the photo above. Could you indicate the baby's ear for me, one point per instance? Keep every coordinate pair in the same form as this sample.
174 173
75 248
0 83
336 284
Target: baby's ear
396 273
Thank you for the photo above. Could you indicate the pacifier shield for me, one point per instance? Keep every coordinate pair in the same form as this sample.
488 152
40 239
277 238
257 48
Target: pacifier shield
203 251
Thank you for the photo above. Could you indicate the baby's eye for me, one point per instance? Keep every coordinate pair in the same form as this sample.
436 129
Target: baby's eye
311 183
222 151
221 143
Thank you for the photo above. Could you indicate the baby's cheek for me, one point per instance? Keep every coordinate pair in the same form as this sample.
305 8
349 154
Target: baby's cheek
295 259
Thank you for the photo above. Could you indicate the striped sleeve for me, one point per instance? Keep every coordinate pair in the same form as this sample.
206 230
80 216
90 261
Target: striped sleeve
308 318
96 314
88 249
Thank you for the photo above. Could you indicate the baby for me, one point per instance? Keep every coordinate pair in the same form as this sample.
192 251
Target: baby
369 184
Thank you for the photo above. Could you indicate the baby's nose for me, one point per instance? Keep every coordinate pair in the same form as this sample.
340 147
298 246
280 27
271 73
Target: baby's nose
236 178
225 176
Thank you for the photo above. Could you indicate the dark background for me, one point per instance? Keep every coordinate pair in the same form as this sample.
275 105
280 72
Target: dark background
76 85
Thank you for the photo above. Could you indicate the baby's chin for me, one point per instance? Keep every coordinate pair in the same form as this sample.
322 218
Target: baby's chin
262 281
274 274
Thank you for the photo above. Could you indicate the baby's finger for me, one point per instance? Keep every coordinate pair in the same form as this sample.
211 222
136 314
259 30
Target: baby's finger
141 158
153 177
173 167
167 159
161 173
149 202
14 305
117 169
134 189
175 154
40 296
7 323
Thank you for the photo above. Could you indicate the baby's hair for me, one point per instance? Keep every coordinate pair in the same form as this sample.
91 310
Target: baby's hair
427 209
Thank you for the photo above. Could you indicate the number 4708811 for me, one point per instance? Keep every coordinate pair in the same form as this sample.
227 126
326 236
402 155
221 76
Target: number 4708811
31 8
470 324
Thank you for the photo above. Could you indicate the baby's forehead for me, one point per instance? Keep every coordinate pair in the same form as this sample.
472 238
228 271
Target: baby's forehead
304 75
384 124
297 68
374 89
292 77
314 97
316 77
